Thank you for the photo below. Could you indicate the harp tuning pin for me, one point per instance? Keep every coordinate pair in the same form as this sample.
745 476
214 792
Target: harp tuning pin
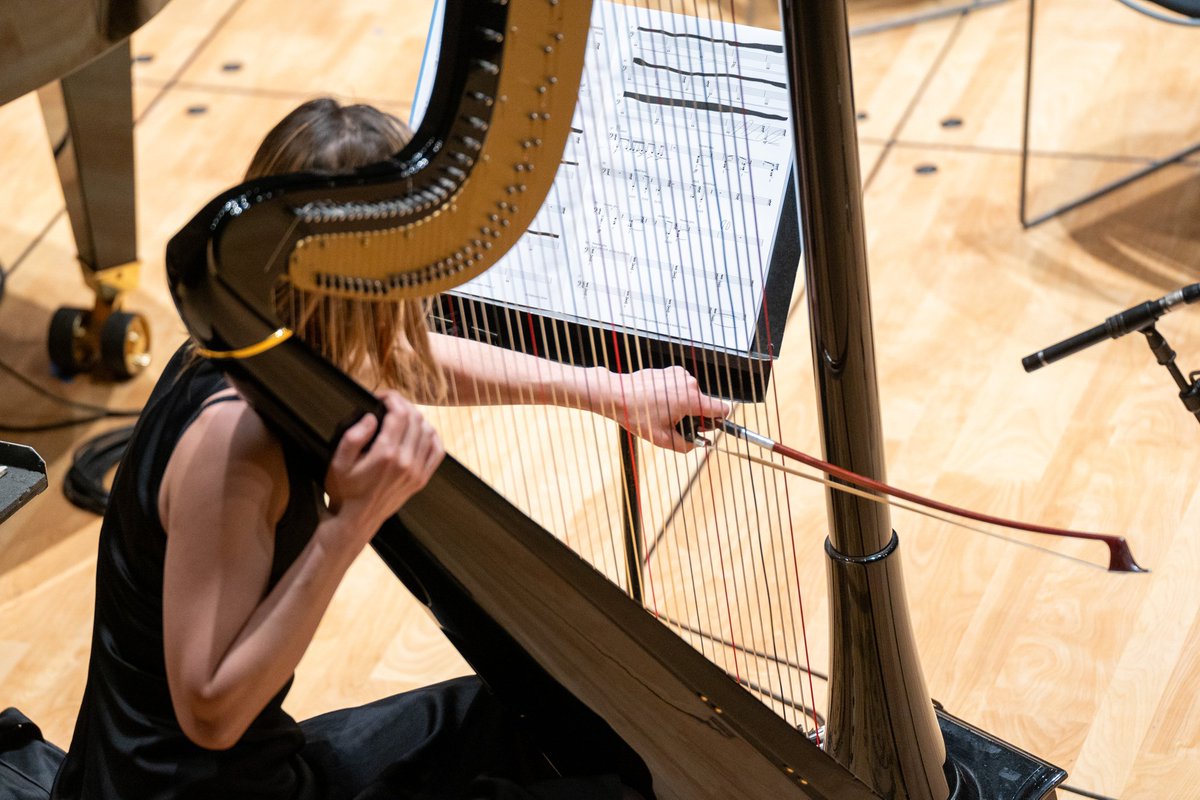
487 66
486 99
474 144
477 123
491 35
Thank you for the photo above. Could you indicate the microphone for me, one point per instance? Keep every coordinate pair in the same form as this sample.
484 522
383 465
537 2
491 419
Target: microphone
1128 321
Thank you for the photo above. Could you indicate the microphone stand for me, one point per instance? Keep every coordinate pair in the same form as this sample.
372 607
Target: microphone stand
1139 318
1189 386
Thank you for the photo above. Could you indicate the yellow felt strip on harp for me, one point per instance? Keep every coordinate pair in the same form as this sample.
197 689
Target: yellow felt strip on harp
278 337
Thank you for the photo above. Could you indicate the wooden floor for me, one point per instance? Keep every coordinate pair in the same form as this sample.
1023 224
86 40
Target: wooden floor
1093 671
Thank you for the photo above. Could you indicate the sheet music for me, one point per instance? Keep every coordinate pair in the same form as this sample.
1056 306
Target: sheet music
664 210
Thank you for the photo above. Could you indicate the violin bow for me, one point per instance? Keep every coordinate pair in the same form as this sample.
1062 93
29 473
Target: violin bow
1120 557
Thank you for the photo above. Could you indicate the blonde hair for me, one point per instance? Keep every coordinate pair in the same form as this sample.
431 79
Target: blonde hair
387 341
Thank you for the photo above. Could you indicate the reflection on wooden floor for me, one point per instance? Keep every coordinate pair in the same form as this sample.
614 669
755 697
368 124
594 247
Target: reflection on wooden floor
1093 671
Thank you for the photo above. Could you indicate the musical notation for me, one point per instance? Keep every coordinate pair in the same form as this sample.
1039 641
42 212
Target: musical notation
666 203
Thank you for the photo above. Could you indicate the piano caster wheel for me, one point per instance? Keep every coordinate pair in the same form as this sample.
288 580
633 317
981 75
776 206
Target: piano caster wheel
70 351
124 344
121 348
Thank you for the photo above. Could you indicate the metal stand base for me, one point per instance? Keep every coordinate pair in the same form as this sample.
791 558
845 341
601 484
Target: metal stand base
981 767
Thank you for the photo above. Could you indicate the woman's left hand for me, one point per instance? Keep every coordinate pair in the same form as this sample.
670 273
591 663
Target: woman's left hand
651 402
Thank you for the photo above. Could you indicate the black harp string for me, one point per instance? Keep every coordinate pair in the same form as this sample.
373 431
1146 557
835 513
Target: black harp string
662 254
543 506
647 249
643 190
749 232
609 213
752 584
745 235
602 339
717 535
614 210
602 440
747 632
607 560
788 530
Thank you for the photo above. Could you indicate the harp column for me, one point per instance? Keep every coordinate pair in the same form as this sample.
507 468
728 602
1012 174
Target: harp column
882 724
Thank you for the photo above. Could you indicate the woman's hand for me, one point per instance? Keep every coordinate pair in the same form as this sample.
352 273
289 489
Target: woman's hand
651 402
365 488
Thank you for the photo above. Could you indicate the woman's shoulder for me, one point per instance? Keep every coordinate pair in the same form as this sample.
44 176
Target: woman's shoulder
226 454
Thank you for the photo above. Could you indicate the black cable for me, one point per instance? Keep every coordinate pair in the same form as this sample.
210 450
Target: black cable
84 483
57 425
1085 793
96 412
1188 11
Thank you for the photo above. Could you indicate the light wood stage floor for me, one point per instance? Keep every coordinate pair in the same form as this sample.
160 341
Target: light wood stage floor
1093 671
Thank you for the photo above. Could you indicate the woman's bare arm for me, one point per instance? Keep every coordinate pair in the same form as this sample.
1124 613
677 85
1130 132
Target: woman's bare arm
230 645
649 402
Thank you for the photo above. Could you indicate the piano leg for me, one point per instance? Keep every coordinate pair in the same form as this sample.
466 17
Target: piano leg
89 116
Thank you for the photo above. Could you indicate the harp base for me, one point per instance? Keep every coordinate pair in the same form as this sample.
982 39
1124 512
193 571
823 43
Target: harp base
877 684
881 723
979 766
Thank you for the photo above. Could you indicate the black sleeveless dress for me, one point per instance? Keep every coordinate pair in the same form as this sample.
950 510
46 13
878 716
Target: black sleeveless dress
446 741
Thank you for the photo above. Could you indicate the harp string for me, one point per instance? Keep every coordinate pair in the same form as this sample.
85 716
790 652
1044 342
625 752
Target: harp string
754 255
730 568
754 581
653 248
764 579
736 607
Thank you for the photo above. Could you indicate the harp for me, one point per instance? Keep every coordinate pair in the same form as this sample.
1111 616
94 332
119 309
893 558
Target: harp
549 632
